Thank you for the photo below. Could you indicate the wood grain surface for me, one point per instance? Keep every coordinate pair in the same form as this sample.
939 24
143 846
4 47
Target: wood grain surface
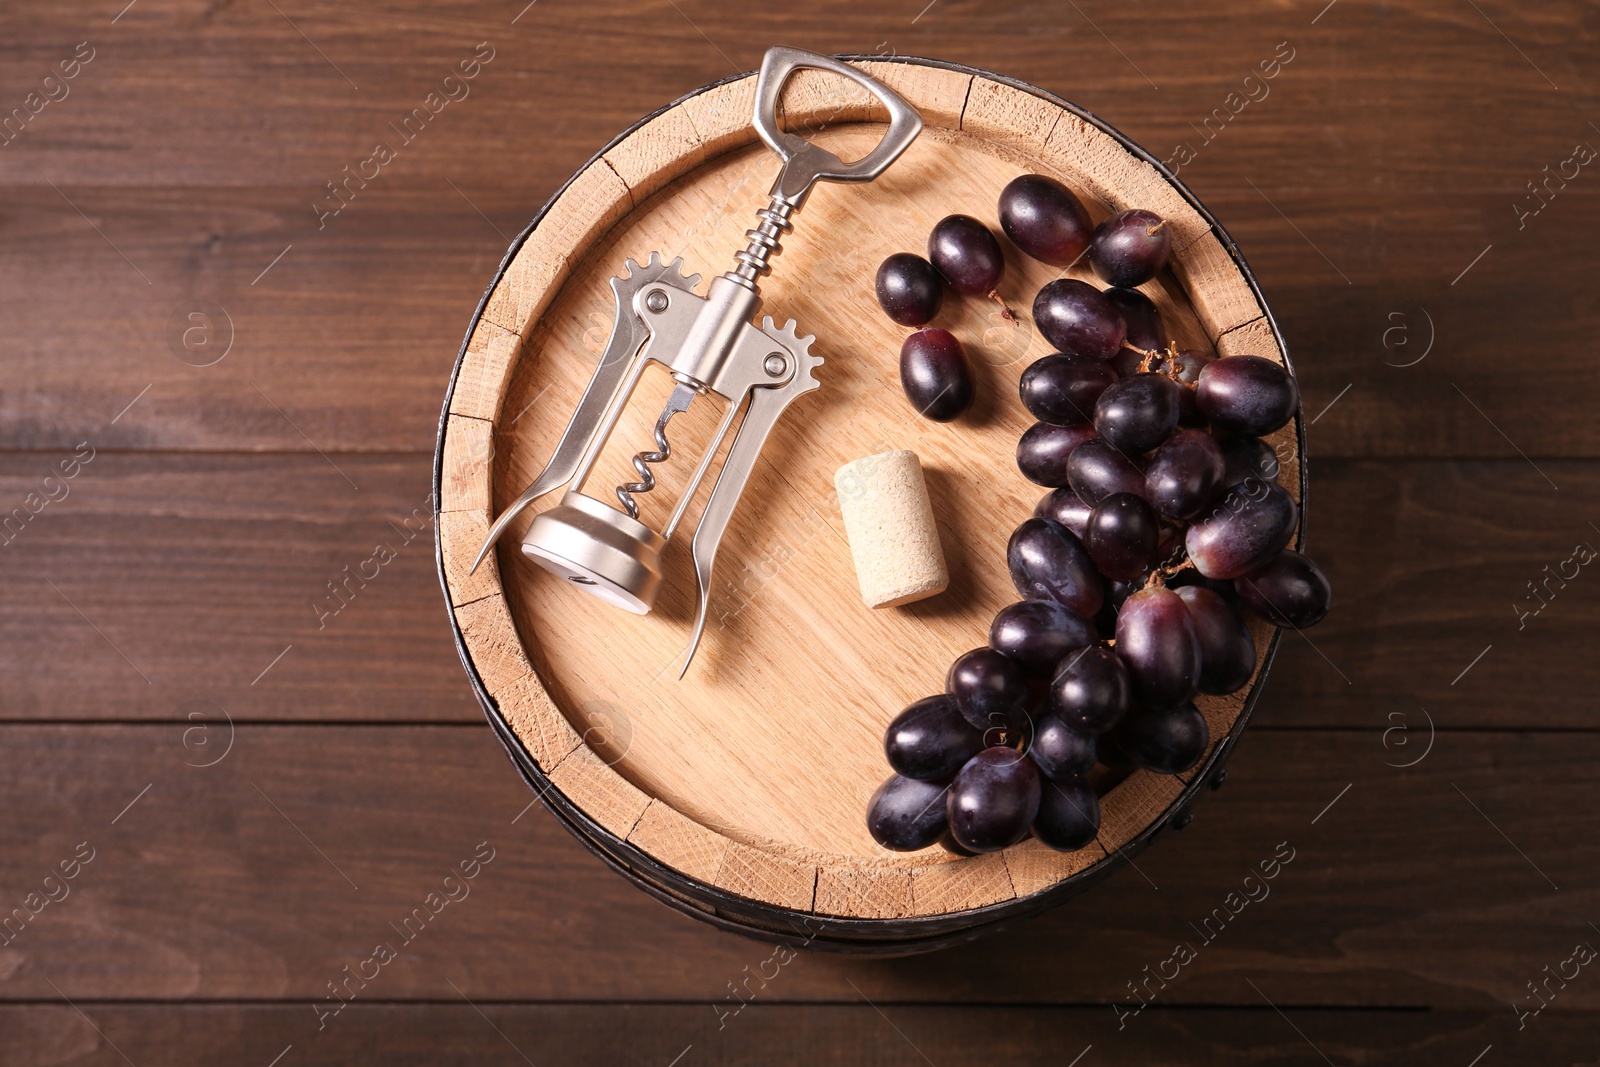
1375 190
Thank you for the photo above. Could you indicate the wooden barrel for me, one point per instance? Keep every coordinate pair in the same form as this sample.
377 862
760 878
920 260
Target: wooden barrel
738 794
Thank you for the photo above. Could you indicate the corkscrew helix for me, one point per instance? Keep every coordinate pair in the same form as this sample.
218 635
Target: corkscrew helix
709 345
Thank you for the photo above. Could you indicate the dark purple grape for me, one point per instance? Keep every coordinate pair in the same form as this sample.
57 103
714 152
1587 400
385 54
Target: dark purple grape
1185 369
1117 593
1130 247
1063 506
1044 219
1146 332
1157 642
1247 395
1077 319
905 814
1189 576
950 844
1166 742
1122 536
1227 651
1044 449
1290 588
1248 457
935 374
1136 414
1091 691
1048 562
993 800
1061 751
1169 543
930 741
909 289
1184 474
989 689
1249 524
1038 634
1069 815
1095 471
965 251
1063 389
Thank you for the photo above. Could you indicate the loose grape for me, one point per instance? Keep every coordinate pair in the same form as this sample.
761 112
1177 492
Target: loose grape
1044 449
993 800
1122 536
1227 651
1063 506
1130 247
1048 562
1038 634
1157 642
1184 474
1248 457
989 688
930 741
1248 525
935 374
1063 389
1077 319
1061 751
1290 588
1247 395
1166 742
965 251
1091 690
1136 414
909 289
1044 219
906 815
1095 471
1069 815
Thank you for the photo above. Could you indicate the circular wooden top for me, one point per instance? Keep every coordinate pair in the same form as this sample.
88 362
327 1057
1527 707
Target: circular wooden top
752 774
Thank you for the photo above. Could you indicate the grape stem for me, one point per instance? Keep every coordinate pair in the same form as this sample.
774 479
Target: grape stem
1005 309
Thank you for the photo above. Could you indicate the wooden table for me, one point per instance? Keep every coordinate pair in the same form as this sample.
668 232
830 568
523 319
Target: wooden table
253 781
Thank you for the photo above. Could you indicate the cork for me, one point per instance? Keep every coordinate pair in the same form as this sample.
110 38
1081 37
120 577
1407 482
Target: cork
889 523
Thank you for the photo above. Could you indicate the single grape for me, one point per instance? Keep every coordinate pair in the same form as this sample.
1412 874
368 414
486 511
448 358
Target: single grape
989 689
1077 319
1248 457
1227 651
1130 247
1048 562
1122 536
1091 690
1061 751
1038 634
1063 389
965 251
905 814
909 289
1157 642
1249 524
936 375
1044 449
1290 588
1044 219
1095 471
1166 742
1246 395
1135 414
930 741
993 800
1184 474
1063 506
1146 332
1069 815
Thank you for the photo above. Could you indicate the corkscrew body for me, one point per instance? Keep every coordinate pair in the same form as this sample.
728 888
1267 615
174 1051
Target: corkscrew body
710 345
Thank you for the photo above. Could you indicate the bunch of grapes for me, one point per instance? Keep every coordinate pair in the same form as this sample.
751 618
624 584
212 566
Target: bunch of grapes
1164 524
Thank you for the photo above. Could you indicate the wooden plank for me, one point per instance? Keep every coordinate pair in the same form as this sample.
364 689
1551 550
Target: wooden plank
205 888
853 1035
